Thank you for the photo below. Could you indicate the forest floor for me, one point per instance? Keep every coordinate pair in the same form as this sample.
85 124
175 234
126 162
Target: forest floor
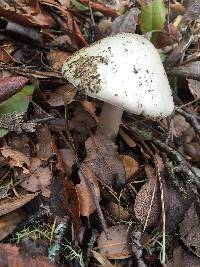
72 197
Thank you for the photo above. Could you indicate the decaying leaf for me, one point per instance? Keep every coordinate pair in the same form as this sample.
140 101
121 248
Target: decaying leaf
131 166
39 180
190 229
16 158
87 184
118 212
10 204
56 98
9 222
194 87
103 159
117 246
127 22
68 160
10 86
44 142
182 130
10 257
64 199
147 206
102 259
181 257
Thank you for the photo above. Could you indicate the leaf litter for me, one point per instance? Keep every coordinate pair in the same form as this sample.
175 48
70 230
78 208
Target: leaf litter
56 171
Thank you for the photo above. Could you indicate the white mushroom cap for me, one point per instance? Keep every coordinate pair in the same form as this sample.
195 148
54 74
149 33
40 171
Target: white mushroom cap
124 70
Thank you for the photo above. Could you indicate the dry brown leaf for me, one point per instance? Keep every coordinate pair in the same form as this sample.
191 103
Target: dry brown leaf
103 159
39 180
16 158
117 246
64 200
118 212
102 259
68 160
56 58
147 202
10 204
55 97
10 257
183 258
88 183
43 147
193 150
27 13
190 229
182 130
194 87
131 166
127 139
9 222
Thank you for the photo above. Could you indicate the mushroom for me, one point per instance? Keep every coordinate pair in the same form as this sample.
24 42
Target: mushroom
125 71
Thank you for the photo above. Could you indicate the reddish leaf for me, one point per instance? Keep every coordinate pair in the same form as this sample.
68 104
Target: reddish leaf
11 85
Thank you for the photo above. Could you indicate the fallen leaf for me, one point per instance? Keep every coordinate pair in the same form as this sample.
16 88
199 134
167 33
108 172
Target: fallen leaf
10 204
118 212
127 22
68 160
183 258
147 205
103 160
190 229
10 86
102 259
10 257
127 139
64 200
117 245
88 182
191 14
28 14
16 158
182 130
193 150
56 58
39 180
131 166
9 222
190 70
44 141
194 87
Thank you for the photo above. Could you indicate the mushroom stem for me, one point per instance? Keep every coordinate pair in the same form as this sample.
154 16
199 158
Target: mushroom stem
110 120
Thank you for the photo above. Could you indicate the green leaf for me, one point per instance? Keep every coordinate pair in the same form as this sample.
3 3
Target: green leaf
152 16
17 103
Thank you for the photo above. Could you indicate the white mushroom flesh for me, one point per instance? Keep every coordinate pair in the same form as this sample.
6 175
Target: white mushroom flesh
124 70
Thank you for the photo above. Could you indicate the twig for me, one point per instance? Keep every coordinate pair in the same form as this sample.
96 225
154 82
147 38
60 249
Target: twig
184 166
191 119
54 249
163 211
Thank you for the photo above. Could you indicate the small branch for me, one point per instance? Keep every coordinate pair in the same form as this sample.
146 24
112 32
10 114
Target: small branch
184 166
191 119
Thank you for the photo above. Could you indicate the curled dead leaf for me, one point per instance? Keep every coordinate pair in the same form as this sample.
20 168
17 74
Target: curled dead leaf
16 158
84 189
147 205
